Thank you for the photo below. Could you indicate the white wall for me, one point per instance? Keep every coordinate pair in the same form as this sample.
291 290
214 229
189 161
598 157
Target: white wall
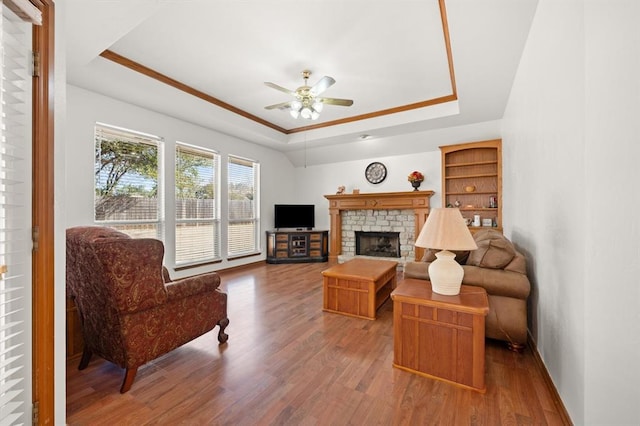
401 156
85 108
60 300
612 310
569 146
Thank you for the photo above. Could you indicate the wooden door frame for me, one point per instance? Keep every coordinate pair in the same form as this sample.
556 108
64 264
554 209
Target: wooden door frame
43 278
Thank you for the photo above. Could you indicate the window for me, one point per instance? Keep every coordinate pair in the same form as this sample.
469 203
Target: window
128 195
16 296
197 210
243 196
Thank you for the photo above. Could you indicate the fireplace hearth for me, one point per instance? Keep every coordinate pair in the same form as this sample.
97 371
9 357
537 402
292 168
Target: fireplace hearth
378 244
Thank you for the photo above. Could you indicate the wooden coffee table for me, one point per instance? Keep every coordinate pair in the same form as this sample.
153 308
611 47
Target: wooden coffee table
358 287
440 336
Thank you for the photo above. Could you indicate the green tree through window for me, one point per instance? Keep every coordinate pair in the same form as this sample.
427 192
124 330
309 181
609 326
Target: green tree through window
127 191
197 217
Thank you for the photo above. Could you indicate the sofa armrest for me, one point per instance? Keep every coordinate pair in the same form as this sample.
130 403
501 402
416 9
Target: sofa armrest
192 285
498 282
419 270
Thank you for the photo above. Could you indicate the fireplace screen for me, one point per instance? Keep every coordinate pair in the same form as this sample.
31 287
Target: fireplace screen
381 244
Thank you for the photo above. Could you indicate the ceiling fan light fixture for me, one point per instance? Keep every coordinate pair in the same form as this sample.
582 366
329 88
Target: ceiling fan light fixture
306 103
306 113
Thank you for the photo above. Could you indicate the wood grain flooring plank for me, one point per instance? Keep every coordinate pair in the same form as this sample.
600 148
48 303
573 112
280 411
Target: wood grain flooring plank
289 363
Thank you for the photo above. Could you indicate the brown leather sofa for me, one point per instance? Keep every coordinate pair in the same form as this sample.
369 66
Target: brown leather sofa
501 270
130 311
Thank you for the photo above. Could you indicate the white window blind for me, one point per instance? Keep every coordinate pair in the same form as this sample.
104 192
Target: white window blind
243 229
197 206
128 192
15 221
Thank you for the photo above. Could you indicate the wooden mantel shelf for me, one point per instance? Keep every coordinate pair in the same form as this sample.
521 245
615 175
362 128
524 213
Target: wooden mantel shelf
418 201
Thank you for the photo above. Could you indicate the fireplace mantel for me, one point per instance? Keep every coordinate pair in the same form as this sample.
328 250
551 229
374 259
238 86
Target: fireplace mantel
418 201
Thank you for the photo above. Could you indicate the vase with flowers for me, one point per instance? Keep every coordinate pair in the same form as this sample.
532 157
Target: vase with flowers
416 179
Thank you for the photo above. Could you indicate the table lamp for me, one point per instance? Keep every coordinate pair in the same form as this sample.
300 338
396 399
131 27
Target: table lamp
445 230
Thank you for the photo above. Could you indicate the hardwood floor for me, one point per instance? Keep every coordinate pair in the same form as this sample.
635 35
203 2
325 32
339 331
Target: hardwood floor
289 363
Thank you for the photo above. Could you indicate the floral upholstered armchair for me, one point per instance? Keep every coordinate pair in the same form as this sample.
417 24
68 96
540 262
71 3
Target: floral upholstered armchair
130 312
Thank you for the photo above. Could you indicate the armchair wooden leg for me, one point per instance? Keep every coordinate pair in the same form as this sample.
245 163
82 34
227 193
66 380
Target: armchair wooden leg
222 336
129 377
86 357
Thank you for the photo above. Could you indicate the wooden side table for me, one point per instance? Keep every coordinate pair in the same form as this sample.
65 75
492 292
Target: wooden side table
440 336
358 287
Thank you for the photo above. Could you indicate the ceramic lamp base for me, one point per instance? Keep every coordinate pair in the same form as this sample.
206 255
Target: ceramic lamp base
446 274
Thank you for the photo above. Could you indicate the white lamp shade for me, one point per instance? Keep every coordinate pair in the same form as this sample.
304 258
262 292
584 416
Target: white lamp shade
445 230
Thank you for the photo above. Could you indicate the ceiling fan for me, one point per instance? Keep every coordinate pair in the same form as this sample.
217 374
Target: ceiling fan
307 103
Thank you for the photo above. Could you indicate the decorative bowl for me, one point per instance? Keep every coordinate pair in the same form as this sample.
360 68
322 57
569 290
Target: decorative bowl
469 188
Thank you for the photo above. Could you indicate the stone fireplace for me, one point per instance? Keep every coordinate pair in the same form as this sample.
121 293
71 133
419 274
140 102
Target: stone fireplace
403 213
388 235
378 244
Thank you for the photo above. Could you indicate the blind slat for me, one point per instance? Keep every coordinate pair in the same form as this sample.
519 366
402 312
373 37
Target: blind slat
196 194
15 219
243 226
128 192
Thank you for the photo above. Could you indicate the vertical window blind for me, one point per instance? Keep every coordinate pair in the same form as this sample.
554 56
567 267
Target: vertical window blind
243 202
197 205
15 221
128 191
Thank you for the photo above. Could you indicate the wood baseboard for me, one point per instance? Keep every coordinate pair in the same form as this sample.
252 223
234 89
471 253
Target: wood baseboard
564 414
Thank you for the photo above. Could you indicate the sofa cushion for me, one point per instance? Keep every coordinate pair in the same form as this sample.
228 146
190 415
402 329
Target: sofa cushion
430 255
494 250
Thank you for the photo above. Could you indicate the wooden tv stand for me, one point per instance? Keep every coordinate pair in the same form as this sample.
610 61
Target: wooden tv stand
297 245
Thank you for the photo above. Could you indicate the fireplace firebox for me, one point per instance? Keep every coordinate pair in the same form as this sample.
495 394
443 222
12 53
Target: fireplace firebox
380 244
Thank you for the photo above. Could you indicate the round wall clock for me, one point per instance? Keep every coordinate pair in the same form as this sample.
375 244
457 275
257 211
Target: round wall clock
375 172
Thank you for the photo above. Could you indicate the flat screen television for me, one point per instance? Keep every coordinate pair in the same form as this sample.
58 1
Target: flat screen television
298 216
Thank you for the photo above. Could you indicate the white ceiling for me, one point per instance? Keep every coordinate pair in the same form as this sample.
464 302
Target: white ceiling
383 54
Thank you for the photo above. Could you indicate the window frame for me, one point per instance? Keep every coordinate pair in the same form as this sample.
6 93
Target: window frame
129 226
255 220
215 220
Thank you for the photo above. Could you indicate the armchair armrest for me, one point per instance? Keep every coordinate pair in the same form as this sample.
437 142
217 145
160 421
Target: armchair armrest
192 285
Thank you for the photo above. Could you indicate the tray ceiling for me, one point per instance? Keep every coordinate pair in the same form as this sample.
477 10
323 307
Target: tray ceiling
392 57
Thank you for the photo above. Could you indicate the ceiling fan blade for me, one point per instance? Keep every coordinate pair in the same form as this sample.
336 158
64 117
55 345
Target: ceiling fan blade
322 85
282 105
280 88
334 101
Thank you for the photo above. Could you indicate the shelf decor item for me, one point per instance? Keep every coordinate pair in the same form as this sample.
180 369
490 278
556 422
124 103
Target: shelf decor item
416 179
445 229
